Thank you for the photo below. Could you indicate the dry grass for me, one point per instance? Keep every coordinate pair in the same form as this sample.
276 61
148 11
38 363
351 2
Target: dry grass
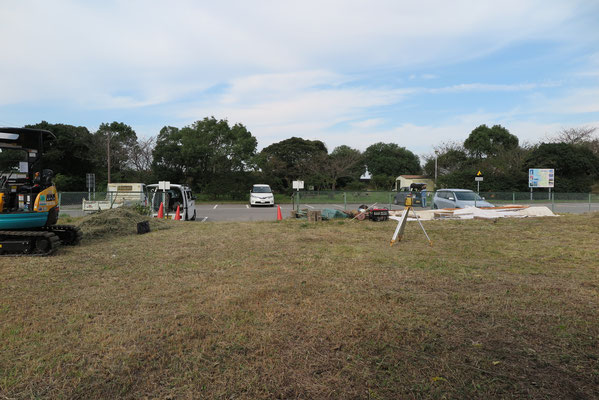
298 310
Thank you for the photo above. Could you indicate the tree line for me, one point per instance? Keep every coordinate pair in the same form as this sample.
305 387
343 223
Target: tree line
221 160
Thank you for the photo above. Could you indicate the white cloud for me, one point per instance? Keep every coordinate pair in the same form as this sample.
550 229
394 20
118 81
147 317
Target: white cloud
489 87
71 50
367 123
282 68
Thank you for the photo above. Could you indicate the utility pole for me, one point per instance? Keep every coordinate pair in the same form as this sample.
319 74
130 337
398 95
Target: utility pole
108 152
436 157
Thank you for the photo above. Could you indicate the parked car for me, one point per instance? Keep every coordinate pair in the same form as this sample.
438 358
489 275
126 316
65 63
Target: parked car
261 195
176 196
458 198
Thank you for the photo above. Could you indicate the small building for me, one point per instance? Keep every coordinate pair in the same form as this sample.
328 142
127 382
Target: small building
403 181
365 177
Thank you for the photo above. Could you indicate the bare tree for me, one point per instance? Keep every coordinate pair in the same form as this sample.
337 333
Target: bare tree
140 156
575 135
584 136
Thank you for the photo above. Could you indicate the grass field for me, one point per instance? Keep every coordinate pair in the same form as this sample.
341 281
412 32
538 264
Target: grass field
505 309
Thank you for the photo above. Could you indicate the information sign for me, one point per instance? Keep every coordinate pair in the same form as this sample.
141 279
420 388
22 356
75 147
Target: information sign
164 185
541 178
298 185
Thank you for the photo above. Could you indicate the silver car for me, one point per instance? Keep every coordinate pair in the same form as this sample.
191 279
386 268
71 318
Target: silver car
458 198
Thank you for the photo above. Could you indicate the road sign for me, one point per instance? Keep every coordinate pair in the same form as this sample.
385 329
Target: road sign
298 185
478 179
479 173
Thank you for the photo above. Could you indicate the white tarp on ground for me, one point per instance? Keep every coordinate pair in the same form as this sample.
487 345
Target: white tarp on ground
481 213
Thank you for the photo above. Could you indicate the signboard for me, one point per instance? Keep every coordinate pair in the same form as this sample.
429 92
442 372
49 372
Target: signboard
298 185
541 178
164 185
478 179
479 173
90 181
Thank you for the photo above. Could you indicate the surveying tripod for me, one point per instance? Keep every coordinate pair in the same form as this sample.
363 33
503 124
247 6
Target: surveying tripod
401 225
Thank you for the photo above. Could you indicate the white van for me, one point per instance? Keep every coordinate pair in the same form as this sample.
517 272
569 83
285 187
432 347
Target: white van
261 195
177 195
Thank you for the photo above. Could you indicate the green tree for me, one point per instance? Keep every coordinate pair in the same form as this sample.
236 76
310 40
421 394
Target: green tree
449 157
487 142
71 155
117 140
168 163
291 159
391 160
382 182
344 164
209 154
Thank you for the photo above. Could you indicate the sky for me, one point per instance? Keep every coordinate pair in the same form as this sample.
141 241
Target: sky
350 72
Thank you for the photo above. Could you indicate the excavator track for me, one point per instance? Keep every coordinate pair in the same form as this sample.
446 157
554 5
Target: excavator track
69 235
28 243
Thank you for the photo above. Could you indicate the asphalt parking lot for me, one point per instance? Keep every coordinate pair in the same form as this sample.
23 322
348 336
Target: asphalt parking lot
243 212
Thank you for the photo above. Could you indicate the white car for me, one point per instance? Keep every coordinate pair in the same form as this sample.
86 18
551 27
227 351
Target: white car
261 195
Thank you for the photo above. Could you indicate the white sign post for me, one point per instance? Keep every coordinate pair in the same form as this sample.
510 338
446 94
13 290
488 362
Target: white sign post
298 185
90 180
164 186
478 179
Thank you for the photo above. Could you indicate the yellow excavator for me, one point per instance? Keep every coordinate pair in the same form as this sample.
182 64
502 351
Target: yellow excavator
28 198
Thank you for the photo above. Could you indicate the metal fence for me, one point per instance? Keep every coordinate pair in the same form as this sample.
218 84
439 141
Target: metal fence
557 202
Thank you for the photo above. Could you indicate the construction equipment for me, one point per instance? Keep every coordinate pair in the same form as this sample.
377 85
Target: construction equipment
417 191
28 198
378 214
401 222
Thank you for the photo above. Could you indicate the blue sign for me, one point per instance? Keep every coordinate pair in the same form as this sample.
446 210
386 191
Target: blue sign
541 178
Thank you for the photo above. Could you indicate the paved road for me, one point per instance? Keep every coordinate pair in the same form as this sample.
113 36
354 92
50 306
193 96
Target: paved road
243 212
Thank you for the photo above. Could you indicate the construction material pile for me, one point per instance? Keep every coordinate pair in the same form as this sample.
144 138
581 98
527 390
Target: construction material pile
514 211
117 222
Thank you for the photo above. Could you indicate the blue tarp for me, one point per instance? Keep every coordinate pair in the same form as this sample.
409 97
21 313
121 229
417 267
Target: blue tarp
329 213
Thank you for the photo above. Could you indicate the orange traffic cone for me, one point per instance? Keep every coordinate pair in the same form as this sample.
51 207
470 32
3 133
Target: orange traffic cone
161 211
178 213
279 216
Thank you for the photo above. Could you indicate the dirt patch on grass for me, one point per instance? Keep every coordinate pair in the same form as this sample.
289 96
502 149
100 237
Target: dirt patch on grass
116 222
